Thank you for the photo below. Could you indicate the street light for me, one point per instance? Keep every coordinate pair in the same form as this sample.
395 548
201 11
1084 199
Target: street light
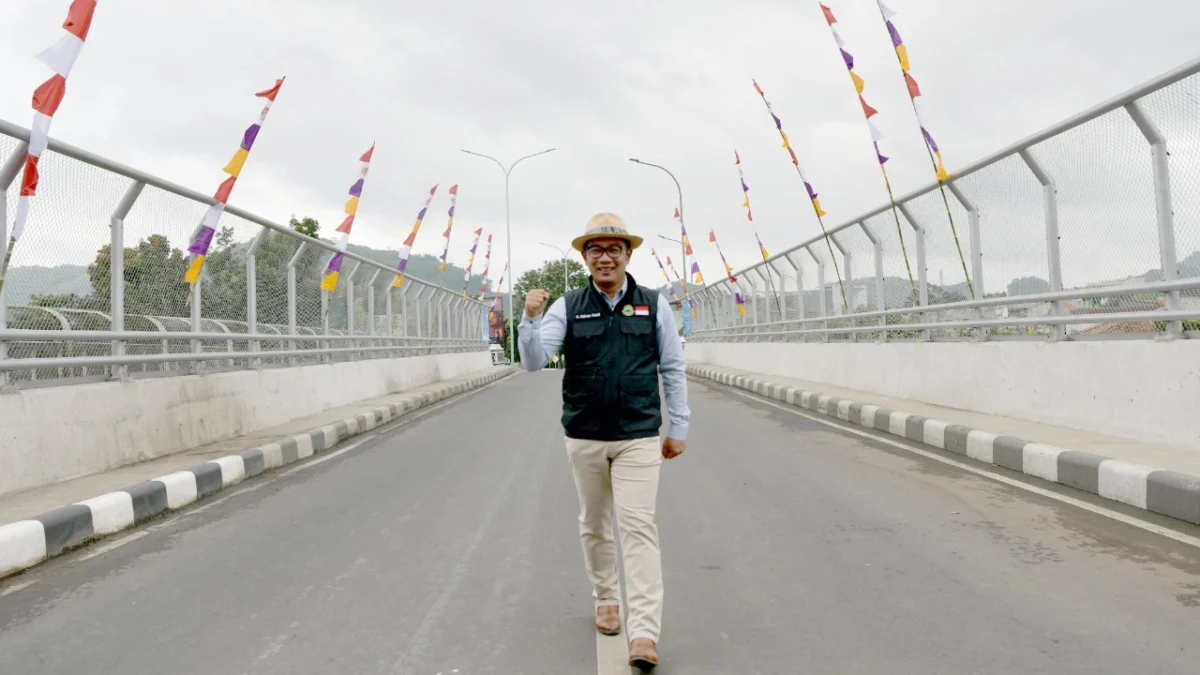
566 284
682 288
680 190
512 347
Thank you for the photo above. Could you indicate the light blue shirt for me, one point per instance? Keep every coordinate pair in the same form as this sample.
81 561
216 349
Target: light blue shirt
541 337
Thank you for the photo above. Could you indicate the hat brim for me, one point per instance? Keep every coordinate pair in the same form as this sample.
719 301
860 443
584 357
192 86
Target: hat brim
579 242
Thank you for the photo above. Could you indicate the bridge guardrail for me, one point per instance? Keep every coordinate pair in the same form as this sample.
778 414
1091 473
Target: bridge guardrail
1094 222
84 314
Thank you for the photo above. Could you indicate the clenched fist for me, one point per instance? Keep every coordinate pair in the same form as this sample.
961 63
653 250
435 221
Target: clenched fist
673 448
535 302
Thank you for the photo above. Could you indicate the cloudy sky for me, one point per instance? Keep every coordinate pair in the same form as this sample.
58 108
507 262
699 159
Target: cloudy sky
168 87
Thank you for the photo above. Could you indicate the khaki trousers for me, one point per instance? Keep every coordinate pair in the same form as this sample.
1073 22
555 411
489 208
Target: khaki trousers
624 473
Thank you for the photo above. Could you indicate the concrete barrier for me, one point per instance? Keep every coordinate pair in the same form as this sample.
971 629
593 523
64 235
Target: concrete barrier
57 433
1144 390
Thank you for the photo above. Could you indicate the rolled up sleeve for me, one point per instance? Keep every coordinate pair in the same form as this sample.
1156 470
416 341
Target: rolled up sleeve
673 368
540 337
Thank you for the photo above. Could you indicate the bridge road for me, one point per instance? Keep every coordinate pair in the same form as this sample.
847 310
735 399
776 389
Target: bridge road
449 545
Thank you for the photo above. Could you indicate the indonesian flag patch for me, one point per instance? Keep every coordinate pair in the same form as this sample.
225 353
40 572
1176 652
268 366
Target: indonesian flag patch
641 310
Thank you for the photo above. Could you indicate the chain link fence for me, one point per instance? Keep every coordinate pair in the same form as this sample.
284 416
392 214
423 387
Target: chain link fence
259 298
1088 230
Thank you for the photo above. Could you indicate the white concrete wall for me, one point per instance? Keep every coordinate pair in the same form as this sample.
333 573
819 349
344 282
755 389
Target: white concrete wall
56 433
1137 389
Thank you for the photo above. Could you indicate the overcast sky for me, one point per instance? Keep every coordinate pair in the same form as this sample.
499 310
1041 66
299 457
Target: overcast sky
168 87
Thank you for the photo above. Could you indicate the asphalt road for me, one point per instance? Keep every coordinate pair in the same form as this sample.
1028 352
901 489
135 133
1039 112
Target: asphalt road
449 545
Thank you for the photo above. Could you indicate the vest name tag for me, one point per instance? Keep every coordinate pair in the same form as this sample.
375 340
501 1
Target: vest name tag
593 315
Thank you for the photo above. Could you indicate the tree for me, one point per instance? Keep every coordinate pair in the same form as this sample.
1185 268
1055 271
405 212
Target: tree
309 227
153 278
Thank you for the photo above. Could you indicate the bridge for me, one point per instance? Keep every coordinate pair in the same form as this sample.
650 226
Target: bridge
886 472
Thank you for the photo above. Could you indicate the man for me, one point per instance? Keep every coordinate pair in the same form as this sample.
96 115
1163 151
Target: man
618 337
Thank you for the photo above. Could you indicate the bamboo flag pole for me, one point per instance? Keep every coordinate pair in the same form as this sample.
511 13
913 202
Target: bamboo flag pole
876 137
931 147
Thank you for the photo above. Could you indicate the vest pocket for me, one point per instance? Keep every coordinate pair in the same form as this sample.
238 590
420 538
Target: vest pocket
587 337
581 388
639 386
639 403
638 326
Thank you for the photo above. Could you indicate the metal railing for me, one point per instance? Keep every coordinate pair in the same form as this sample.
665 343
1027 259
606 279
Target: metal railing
1084 219
83 313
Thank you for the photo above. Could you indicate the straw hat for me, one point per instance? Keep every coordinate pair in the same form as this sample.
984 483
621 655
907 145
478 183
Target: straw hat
605 225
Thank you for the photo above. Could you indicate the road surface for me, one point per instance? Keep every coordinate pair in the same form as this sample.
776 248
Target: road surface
449 545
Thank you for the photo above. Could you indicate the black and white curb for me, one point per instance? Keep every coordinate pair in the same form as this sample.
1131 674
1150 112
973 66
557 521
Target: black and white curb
26 543
1164 492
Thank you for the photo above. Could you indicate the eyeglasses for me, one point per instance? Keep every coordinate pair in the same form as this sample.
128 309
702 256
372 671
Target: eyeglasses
614 251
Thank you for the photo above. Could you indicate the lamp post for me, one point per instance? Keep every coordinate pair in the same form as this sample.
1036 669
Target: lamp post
682 248
512 347
681 288
566 283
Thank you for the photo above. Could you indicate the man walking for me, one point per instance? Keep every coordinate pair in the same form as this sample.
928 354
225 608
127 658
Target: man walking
618 337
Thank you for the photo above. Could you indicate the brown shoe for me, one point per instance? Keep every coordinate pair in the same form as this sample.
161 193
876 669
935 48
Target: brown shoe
608 620
643 653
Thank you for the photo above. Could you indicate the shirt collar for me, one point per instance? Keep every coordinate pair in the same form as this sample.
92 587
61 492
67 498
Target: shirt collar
612 304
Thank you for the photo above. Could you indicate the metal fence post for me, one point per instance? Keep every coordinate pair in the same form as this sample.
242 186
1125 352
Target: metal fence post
976 244
252 290
824 307
387 308
880 300
443 310
440 316
753 301
799 286
976 252
325 300
417 310
1162 206
8 173
371 302
764 275
197 300
291 296
774 267
1053 260
727 306
435 301
350 300
404 308
922 265
116 281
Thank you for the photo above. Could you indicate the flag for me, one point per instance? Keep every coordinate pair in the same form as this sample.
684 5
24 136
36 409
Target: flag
59 57
199 246
687 248
406 248
487 263
914 90
471 261
334 268
737 160
449 226
812 194
741 303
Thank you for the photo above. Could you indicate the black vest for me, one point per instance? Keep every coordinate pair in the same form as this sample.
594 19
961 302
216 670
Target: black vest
610 387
